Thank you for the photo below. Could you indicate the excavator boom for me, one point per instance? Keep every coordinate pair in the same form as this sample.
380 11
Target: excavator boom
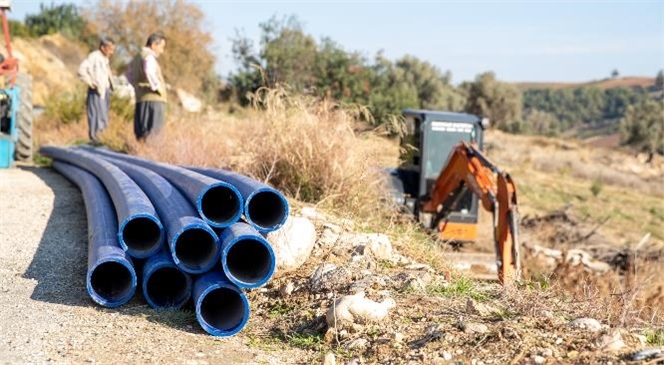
468 169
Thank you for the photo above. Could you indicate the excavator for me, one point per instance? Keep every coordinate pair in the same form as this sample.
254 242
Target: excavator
443 178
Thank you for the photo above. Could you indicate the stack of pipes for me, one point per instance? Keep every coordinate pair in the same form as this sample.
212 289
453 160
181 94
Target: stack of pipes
198 233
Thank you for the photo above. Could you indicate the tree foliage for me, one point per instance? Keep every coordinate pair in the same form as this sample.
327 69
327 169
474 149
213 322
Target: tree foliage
643 126
323 68
187 61
64 18
498 101
659 80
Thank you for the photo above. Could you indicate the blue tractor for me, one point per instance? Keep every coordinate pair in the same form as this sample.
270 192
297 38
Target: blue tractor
15 104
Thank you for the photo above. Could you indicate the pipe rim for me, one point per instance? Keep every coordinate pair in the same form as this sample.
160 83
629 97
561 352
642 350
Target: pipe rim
213 330
98 298
141 254
238 282
213 260
236 195
284 203
165 265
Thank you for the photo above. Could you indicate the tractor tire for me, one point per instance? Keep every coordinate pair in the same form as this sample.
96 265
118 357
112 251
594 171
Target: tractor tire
24 118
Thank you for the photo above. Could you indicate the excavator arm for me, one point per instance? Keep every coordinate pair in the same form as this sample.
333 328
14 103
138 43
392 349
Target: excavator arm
468 168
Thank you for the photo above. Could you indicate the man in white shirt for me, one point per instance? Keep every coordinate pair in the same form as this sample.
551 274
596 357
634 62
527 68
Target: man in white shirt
95 72
144 73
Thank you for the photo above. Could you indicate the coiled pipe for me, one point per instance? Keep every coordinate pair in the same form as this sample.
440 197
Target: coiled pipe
265 208
246 257
140 232
217 202
111 279
193 245
222 309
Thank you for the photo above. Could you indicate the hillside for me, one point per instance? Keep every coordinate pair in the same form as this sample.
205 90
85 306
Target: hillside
625 81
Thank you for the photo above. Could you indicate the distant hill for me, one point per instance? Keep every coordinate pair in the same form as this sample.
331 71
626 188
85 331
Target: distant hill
627 81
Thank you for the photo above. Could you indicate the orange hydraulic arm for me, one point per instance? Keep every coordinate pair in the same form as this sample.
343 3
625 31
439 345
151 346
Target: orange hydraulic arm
468 168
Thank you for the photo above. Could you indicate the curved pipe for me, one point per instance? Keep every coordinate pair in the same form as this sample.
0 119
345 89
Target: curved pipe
111 279
217 202
265 208
140 232
246 257
193 245
222 309
164 285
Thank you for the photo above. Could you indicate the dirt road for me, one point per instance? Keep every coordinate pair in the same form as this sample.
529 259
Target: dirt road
46 314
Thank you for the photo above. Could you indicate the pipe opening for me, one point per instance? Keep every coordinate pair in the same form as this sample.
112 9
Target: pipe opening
220 204
141 235
196 249
249 261
223 309
112 281
266 209
168 287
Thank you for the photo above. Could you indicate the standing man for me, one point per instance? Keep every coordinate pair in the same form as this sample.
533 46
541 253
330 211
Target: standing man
95 71
144 73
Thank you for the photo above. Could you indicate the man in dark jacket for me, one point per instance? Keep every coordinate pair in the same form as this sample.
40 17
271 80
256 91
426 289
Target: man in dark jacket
144 73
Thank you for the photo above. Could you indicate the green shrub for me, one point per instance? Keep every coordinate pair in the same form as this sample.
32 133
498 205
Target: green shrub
67 107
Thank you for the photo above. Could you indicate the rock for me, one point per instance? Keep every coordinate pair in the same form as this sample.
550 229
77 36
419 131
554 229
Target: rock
311 213
328 277
378 246
539 360
447 355
589 324
358 309
358 343
329 359
481 309
189 102
611 341
559 341
548 352
292 244
328 237
648 354
397 337
286 289
473 327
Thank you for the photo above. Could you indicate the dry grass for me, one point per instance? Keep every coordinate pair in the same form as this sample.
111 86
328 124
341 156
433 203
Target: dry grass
304 147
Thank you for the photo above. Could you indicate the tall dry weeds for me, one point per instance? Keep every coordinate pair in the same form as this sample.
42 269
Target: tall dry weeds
301 145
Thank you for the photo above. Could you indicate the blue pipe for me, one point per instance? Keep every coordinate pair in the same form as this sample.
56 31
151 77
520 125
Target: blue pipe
265 208
140 231
111 279
246 257
164 285
222 309
192 243
217 202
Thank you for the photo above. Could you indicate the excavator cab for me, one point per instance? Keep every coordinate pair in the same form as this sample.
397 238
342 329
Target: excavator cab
426 145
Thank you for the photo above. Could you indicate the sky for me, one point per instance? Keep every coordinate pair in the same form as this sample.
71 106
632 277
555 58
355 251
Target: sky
561 41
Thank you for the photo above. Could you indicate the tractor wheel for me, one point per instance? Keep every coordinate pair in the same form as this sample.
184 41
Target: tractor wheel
24 118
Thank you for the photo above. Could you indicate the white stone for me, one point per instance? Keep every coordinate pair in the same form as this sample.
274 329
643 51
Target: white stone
292 244
329 359
539 360
189 102
358 309
589 324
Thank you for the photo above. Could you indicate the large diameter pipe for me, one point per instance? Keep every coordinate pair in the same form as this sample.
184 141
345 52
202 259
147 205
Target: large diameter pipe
246 257
164 285
218 203
111 279
222 309
192 243
265 208
140 232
